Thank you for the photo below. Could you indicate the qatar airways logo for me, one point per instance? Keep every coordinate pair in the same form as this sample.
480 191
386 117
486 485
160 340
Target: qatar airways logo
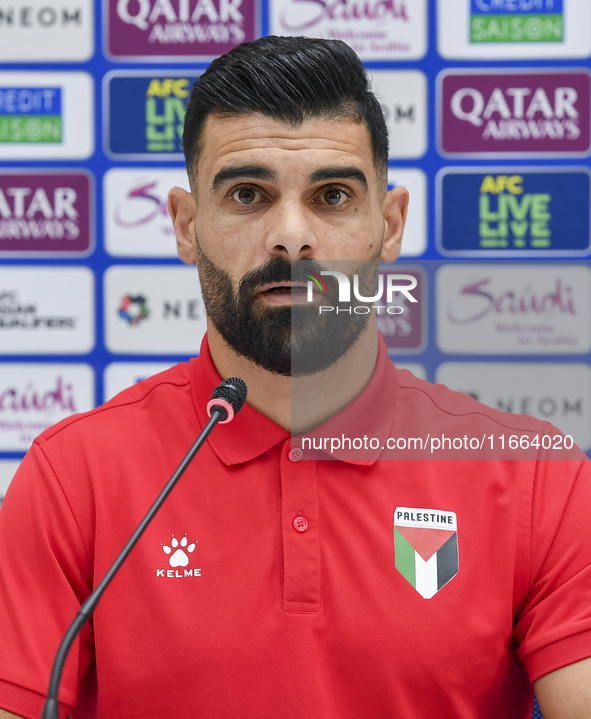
390 283
539 112
156 28
514 309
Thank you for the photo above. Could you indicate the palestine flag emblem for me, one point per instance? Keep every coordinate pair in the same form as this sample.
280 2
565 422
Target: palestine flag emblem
426 548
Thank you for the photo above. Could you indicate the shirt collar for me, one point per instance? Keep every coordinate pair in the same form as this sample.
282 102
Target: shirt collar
251 434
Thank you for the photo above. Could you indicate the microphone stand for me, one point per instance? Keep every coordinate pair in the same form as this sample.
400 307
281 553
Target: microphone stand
51 708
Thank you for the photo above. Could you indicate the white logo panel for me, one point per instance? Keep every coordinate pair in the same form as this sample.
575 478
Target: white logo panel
46 310
403 96
35 396
8 469
121 375
137 222
414 239
555 393
376 30
518 31
154 310
523 309
46 115
39 30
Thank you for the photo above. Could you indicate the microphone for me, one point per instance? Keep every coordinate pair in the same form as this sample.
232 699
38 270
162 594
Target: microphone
226 401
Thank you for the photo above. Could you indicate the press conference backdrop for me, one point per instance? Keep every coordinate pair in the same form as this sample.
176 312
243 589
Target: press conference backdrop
488 106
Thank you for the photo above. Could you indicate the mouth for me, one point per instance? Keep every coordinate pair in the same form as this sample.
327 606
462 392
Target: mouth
285 293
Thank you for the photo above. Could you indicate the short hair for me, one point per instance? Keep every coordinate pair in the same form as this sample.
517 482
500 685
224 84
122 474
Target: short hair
289 79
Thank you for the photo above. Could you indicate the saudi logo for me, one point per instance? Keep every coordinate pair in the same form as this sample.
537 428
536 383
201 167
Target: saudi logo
426 547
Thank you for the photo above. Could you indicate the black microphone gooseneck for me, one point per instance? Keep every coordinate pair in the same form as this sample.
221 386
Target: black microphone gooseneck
226 401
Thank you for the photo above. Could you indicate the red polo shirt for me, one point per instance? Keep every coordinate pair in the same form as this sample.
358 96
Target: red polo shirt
270 587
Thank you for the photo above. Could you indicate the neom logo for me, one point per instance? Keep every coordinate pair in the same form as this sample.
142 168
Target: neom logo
44 17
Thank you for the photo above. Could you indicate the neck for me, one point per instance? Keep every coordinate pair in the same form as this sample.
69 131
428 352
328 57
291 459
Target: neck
317 398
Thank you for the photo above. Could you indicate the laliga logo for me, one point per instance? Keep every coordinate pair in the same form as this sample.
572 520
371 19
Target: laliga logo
345 292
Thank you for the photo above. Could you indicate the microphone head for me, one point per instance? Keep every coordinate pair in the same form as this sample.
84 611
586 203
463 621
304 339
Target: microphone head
228 396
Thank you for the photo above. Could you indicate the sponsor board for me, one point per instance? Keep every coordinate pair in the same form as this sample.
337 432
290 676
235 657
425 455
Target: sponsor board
34 397
555 393
46 310
8 469
513 29
403 96
121 375
153 310
46 115
376 30
173 30
502 113
405 332
513 211
514 309
46 213
41 30
414 240
144 113
137 222
417 369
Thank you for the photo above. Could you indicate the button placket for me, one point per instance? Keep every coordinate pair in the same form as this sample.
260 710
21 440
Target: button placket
301 549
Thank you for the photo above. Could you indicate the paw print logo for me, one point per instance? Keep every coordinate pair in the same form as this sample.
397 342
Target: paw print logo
180 557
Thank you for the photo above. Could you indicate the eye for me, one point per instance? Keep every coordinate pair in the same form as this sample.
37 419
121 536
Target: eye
246 195
334 196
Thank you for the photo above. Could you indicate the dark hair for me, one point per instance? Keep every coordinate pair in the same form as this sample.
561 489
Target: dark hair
290 79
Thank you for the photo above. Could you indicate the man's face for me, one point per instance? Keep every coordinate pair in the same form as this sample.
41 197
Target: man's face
271 202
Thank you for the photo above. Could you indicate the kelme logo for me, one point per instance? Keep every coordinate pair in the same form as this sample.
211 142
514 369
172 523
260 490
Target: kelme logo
178 552
516 21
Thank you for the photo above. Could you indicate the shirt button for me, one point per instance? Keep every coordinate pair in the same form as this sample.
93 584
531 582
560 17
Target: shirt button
296 454
300 524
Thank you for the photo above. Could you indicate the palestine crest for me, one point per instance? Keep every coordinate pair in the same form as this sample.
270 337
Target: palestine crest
426 547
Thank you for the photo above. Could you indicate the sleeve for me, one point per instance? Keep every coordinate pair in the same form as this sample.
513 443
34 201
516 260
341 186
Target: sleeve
45 575
553 623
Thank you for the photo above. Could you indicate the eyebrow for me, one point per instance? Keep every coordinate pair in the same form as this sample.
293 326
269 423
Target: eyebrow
340 173
235 172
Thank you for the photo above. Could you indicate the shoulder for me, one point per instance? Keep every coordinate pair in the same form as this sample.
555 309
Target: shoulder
423 401
152 398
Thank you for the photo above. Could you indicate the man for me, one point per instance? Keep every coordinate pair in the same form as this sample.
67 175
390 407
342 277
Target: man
268 586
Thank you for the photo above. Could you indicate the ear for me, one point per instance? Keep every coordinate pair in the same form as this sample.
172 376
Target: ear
182 208
394 208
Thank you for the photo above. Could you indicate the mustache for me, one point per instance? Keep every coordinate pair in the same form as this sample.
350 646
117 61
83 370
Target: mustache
279 269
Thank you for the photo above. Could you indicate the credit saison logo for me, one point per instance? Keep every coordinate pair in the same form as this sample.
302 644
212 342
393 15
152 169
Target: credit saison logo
516 21
30 115
390 282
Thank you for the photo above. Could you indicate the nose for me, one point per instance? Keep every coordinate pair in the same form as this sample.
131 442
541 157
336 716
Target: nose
291 233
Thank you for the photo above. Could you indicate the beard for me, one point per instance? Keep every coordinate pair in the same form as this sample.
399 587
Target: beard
290 340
